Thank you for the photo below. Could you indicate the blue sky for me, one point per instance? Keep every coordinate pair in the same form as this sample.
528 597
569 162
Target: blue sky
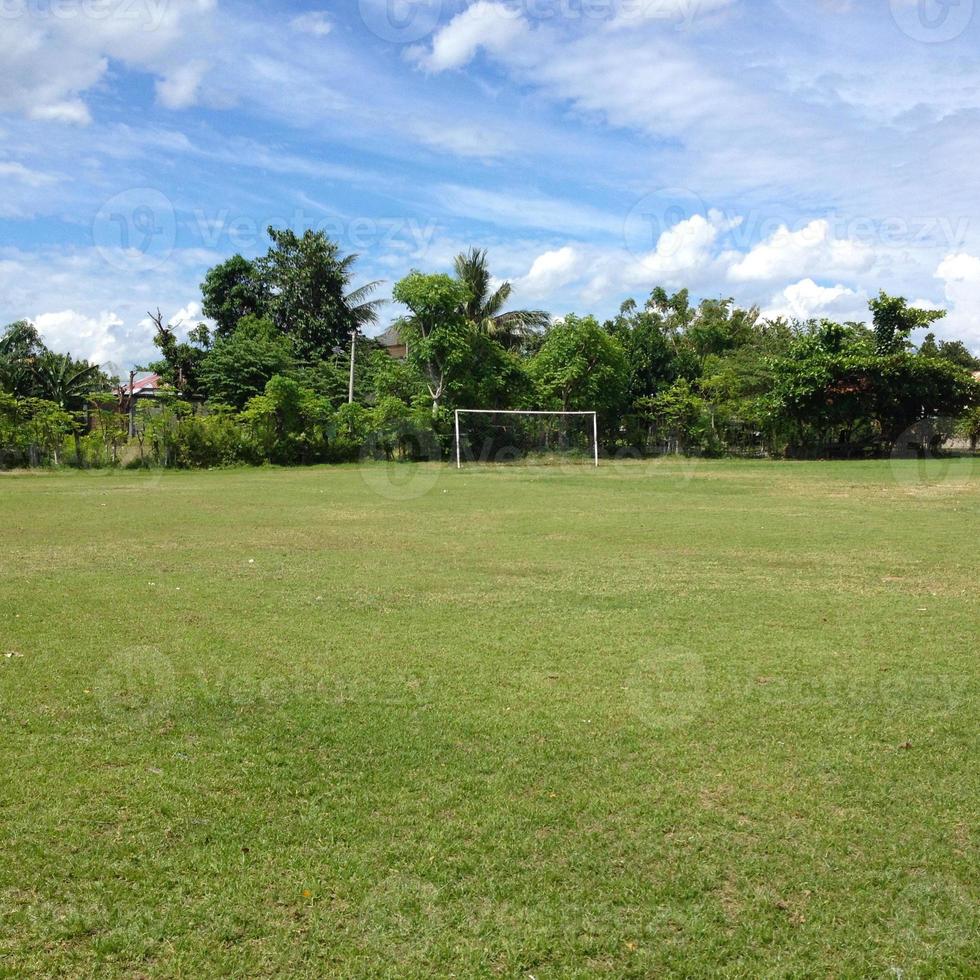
798 156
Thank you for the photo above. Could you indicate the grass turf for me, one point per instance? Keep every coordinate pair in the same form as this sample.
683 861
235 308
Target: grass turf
663 718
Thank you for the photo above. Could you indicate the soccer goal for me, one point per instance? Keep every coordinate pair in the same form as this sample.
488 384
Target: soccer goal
498 436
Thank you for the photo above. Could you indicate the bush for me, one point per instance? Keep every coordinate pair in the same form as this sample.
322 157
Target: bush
349 431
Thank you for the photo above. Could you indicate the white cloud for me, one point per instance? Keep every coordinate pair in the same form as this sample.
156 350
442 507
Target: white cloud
806 300
105 338
960 273
188 316
179 89
684 248
684 10
495 27
526 210
93 338
72 111
89 308
477 142
959 268
813 249
55 53
550 271
17 171
316 23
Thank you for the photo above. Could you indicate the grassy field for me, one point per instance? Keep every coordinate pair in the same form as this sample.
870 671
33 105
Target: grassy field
659 719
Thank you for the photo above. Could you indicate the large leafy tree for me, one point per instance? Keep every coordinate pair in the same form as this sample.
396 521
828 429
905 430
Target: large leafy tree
68 384
837 385
232 290
238 366
651 355
310 298
580 367
436 330
484 307
954 351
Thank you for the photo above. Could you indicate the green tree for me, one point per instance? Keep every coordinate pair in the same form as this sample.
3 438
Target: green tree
232 290
580 367
239 365
45 427
719 327
969 426
680 418
181 359
439 340
836 386
288 423
894 320
21 348
310 295
67 382
954 351
650 353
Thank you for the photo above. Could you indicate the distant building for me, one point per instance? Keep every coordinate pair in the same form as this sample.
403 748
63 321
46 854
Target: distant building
146 384
393 344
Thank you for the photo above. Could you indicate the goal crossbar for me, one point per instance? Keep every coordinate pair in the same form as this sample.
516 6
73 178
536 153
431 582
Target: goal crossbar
513 411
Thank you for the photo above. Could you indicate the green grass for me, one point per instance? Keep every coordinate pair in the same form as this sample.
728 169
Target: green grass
659 719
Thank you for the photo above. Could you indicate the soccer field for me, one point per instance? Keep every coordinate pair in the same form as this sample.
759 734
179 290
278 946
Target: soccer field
660 718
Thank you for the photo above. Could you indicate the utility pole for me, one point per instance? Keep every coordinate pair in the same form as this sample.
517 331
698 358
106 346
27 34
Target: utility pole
132 405
353 348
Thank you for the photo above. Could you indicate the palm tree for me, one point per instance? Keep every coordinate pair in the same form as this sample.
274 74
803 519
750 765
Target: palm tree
361 310
67 383
20 348
483 309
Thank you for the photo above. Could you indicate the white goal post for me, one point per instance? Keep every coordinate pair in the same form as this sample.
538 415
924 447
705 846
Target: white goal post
497 411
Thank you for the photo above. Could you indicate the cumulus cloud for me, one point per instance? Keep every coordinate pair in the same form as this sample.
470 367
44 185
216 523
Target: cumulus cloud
812 249
94 338
550 271
806 300
960 274
684 248
91 309
56 53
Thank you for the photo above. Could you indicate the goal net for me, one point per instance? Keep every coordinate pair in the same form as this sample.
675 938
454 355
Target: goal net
492 436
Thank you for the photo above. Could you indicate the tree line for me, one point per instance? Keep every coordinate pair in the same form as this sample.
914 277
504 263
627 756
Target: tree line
267 380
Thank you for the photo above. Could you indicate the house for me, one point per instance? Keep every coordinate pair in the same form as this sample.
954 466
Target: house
393 344
143 384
